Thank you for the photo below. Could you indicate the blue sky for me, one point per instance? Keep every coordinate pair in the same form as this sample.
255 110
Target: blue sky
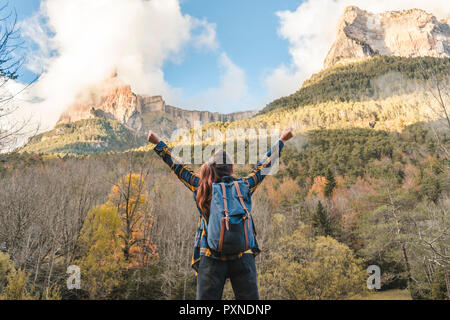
245 30
25 9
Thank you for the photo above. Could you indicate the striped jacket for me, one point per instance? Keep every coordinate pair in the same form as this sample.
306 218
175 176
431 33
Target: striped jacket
191 180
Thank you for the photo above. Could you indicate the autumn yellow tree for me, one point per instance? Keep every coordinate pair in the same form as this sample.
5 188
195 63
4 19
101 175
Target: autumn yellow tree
6 267
303 267
103 261
130 198
17 287
13 283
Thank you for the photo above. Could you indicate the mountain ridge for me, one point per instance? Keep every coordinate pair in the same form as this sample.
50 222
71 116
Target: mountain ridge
139 113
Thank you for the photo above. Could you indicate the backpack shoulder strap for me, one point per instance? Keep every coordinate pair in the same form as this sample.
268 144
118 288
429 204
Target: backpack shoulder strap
241 200
239 194
225 203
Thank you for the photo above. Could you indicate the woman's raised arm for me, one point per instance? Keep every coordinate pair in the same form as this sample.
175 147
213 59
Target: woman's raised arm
188 177
256 176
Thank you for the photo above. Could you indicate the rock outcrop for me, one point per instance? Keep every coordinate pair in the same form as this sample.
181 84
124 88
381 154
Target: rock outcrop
409 33
140 113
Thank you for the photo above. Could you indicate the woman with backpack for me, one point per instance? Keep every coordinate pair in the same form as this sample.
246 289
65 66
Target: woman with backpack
225 242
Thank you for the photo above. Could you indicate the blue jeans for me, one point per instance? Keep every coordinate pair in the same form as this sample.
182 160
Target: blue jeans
212 274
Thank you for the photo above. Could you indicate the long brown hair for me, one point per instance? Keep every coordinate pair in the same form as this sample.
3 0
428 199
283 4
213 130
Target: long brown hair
219 166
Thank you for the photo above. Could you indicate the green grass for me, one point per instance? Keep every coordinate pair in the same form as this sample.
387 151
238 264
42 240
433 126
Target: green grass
393 294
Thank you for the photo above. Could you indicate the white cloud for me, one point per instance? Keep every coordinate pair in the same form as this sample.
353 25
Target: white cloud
78 44
14 118
207 36
232 93
311 30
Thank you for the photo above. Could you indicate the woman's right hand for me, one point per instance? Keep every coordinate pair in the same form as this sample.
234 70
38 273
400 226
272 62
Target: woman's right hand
153 138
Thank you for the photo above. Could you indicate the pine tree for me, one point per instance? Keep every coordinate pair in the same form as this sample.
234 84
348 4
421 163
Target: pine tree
322 221
330 184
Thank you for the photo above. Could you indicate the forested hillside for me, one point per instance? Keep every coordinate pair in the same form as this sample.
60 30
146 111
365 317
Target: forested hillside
361 81
87 136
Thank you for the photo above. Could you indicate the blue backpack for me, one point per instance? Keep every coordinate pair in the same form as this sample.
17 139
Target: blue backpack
230 224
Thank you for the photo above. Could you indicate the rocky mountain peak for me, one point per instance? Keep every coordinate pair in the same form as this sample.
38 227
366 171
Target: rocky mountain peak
110 99
409 33
139 112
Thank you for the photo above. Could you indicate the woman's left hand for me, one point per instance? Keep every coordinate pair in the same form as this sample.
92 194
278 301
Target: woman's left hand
153 138
286 135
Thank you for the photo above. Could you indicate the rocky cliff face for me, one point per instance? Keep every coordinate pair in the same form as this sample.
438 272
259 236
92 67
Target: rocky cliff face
410 33
140 113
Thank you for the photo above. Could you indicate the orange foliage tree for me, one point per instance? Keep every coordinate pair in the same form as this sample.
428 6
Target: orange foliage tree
278 192
318 187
